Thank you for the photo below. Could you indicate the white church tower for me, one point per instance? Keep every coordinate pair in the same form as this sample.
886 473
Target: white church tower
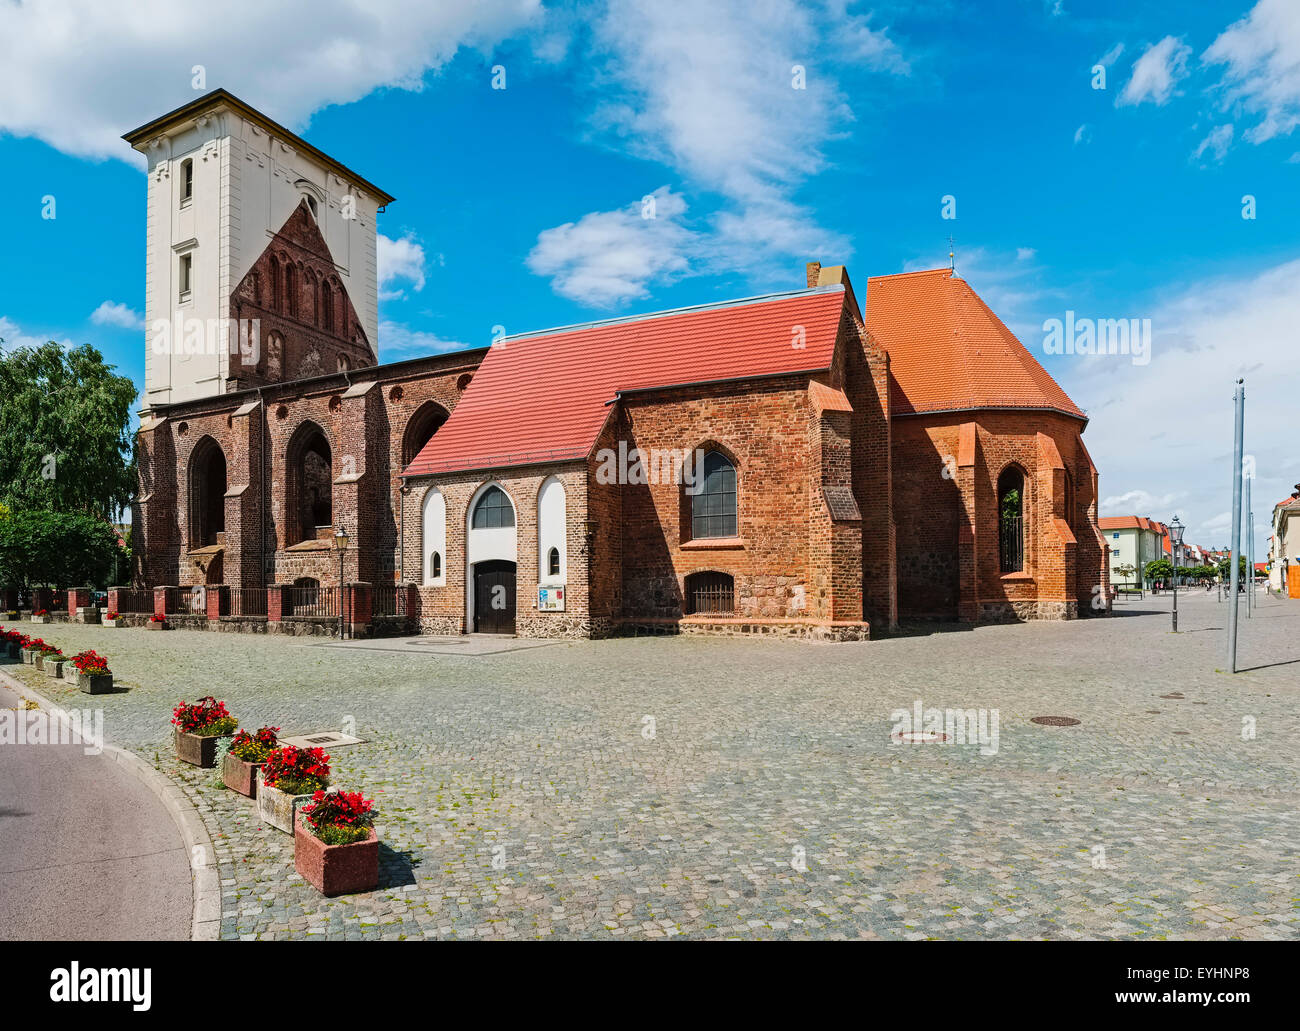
247 221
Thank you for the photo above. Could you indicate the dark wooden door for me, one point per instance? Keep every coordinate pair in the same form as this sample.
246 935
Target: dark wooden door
494 597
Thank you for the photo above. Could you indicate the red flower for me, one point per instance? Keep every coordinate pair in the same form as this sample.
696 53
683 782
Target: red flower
202 713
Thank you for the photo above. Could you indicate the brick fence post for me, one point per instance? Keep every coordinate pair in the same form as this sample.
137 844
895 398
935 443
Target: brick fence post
160 601
115 599
218 601
42 598
275 603
359 600
78 598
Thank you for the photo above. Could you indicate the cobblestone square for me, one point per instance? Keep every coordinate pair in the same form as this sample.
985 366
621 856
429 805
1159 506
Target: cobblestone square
708 787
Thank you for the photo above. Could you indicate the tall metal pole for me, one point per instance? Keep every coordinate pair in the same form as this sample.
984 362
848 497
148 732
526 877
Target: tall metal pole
1173 551
1249 519
1239 411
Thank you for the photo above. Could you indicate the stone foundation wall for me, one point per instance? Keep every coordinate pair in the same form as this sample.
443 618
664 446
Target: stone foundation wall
1026 611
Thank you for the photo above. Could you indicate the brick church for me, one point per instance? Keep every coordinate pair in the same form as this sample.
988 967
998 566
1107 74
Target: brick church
821 462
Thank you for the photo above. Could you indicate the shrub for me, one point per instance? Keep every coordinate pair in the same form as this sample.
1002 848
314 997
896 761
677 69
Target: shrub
339 818
206 717
297 771
91 663
254 748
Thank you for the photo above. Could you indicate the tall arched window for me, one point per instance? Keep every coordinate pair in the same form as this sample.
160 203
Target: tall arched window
291 290
187 180
277 285
310 483
1011 523
713 506
493 510
434 524
327 306
552 530
207 492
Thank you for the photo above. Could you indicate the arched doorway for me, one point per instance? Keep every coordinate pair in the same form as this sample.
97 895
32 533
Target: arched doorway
491 556
494 597
1011 522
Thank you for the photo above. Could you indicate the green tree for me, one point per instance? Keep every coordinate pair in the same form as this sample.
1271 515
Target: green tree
56 549
65 440
1159 569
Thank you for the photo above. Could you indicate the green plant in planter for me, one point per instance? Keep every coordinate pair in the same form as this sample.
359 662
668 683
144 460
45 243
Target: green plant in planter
254 748
207 718
297 771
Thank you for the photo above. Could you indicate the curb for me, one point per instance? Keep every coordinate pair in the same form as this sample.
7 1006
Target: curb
205 923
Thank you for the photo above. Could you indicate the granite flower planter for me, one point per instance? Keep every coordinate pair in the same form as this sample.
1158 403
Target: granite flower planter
276 807
240 776
53 668
95 683
41 619
38 660
113 624
29 656
198 749
336 869
152 625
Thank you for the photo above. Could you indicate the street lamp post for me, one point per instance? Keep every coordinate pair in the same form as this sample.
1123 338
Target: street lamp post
341 545
1176 532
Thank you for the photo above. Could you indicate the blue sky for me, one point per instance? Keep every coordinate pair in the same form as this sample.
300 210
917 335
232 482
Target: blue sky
522 206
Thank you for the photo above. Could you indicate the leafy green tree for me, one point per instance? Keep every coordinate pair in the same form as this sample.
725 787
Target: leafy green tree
1159 569
65 440
57 549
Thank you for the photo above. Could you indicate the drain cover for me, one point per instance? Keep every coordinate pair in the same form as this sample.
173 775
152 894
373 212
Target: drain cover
1055 721
331 738
920 737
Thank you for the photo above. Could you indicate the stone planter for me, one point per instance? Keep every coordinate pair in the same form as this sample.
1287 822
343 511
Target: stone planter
87 614
29 656
14 651
113 624
241 776
96 683
198 749
54 668
336 869
276 807
151 625
38 660
41 619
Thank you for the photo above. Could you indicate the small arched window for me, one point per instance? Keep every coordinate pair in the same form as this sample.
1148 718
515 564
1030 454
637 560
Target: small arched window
553 562
713 506
311 205
493 510
1011 524
187 180
435 565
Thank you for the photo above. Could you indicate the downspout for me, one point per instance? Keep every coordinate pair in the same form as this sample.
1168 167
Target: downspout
265 492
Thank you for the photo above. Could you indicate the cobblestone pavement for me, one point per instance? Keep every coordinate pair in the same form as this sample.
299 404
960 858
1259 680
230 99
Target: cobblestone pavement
524 796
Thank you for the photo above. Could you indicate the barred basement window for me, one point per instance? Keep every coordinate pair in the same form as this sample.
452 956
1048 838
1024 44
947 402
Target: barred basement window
710 594
553 562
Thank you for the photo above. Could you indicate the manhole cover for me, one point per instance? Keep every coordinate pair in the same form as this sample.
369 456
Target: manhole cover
331 738
920 737
1055 721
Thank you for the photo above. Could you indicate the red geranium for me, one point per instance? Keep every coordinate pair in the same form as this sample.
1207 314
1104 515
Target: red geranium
111 614
203 713
345 811
91 663
40 612
303 769
254 748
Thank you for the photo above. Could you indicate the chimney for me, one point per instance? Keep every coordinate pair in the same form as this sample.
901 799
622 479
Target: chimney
814 270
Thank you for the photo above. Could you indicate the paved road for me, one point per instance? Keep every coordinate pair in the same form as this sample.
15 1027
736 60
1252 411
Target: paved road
87 852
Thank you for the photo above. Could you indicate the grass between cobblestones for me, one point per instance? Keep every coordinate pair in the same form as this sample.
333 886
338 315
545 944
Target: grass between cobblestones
522 795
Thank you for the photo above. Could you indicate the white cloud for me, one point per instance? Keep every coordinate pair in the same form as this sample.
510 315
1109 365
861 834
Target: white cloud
14 336
114 313
1137 502
398 341
609 257
1207 334
79 73
1111 55
741 99
1262 55
1025 253
1083 134
399 260
1217 142
1156 73
1010 284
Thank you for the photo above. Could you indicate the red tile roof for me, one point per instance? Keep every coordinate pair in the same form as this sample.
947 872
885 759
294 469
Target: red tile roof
1130 523
544 397
947 350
